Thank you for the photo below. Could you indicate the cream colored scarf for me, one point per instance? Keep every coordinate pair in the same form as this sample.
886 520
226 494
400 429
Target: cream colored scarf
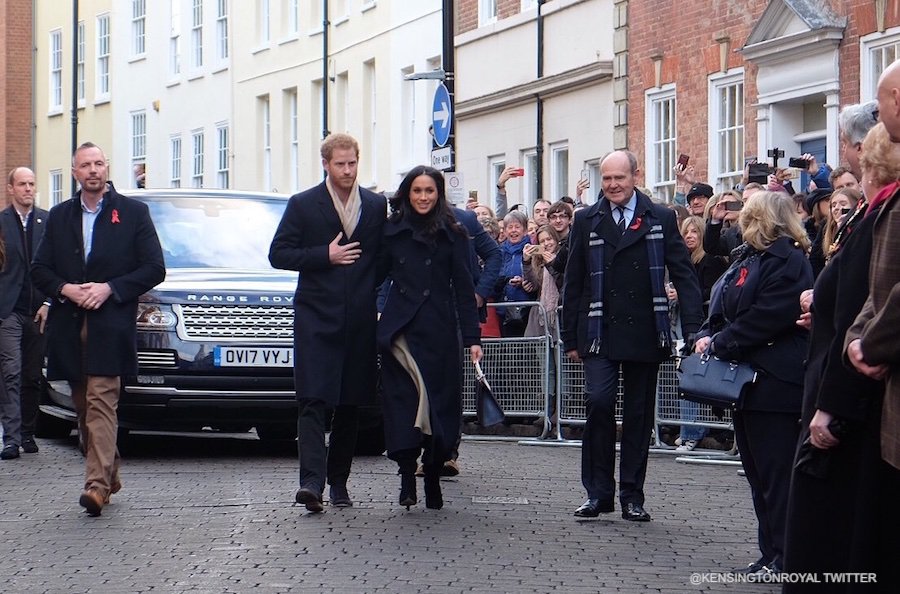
349 212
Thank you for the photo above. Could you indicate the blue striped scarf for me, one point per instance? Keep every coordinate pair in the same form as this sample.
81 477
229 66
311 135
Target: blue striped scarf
656 254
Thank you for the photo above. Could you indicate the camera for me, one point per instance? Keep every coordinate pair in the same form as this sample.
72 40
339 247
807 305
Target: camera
798 162
733 205
759 173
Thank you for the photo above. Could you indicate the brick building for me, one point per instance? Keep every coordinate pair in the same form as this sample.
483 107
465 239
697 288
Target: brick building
725 81
15 86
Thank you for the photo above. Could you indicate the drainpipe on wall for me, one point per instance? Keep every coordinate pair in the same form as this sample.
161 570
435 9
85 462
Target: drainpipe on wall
74 144
324 68
539 104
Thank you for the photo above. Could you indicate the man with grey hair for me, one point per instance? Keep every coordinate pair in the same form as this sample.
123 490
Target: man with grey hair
616 319
855 121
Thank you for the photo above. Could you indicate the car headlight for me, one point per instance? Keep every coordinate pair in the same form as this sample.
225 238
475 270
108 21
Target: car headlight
153 316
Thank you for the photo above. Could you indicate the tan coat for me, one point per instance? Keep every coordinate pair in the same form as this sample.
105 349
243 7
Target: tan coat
877 323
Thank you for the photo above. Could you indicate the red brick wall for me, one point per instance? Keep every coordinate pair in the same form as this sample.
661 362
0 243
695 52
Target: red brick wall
467 13
685 33
15 87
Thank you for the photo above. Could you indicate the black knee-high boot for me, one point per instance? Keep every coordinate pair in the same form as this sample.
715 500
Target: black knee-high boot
433 497
407 472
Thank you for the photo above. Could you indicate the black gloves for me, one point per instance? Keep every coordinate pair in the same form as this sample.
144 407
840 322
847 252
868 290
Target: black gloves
688 347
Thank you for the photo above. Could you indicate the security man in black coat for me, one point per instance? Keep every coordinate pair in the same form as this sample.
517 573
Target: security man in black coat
615 317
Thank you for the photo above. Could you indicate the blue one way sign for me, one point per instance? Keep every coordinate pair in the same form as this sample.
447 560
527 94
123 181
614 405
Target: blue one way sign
442 115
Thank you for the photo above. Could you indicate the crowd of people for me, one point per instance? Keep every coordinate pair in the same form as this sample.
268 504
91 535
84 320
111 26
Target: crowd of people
800 285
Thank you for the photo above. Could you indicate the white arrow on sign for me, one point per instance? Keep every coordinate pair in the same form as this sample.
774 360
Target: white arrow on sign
443 116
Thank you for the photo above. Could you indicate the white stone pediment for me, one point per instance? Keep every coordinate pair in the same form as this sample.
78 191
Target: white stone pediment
789 29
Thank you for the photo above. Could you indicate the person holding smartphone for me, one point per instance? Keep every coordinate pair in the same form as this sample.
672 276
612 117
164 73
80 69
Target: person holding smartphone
722 231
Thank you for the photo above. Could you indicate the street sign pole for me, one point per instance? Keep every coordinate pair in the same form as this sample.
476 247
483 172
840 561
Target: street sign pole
448 62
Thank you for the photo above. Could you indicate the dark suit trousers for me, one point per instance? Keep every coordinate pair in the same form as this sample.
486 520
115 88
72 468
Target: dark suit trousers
767 442
598 446
316 461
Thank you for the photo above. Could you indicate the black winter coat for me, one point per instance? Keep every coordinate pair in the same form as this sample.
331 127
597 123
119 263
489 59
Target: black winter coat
334 305
125 252
629 325
432 304
752 317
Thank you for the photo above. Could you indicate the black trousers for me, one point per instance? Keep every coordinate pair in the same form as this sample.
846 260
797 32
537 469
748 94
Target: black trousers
318 463
767 442
598 446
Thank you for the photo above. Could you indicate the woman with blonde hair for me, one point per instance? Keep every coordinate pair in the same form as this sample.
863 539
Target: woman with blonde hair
752 314
843 202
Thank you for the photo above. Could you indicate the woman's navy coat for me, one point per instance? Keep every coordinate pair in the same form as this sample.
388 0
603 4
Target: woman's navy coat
432 303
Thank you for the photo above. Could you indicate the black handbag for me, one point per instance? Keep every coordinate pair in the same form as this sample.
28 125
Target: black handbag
487 409
709 380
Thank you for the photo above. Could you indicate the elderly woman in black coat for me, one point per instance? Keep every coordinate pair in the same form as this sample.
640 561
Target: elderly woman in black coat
752 314
430 307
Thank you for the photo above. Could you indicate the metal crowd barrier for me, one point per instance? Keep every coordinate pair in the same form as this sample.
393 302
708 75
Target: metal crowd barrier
525 373
518 371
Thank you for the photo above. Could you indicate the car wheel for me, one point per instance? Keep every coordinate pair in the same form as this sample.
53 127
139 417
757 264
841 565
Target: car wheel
53 427
277 432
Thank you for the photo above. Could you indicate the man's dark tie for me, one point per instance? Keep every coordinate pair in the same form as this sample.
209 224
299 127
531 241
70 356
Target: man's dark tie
621 210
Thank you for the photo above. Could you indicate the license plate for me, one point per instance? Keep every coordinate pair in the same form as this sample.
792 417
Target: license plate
234 356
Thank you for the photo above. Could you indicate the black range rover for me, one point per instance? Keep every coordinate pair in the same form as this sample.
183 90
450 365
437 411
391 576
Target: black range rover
215 340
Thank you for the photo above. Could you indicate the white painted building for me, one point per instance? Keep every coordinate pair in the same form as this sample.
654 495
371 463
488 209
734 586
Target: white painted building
499 121
172 108
280 64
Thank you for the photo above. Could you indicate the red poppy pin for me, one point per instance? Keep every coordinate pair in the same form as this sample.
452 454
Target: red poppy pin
636 224
741 277
115 216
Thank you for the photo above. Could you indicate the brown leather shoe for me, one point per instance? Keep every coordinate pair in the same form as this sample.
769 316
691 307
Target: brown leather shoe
92 502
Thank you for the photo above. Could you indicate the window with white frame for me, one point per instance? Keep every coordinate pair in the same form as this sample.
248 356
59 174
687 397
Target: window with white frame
222 30
223 173
197 34
531 166
559 170
175 162
197 161
726 130
138 27
408 111
79 65
266 129
878 51
56 182
589 196
264 19
138 136
342 99
496 165
487 12
294 152
103 47
371 109
660 145
293 17
55 70
175 39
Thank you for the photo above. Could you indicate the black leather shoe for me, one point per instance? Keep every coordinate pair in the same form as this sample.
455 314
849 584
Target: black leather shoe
339 496
634 512
309 498
29 446
593 508
9 452
754 568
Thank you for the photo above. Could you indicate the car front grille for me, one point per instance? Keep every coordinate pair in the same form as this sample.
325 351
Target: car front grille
157 359
203 321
